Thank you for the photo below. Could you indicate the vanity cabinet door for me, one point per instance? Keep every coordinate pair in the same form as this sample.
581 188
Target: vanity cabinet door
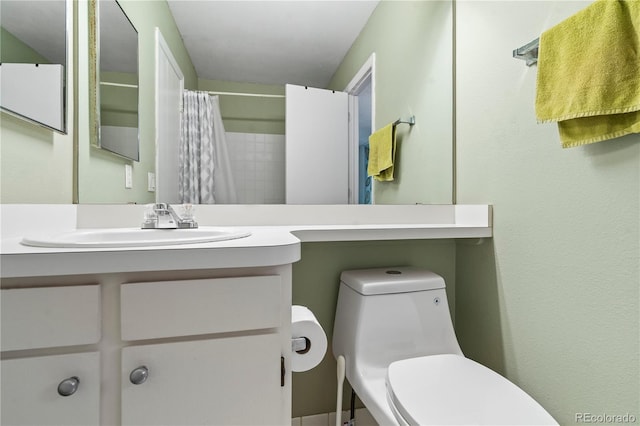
32 387
224 381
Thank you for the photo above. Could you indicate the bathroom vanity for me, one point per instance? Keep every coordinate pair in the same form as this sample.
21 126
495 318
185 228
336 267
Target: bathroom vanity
171 347
182 334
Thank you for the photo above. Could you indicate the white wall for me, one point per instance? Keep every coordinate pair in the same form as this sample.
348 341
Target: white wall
552 300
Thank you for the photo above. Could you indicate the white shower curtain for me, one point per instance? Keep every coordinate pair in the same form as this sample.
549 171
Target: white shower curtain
205 172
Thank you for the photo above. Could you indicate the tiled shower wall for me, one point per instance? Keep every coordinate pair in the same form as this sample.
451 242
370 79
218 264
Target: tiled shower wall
257 164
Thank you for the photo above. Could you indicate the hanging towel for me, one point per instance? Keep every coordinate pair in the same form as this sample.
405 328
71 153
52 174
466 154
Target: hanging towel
589 73
382 152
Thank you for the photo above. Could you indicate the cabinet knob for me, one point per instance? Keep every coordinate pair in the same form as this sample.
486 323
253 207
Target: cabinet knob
139 375
69 386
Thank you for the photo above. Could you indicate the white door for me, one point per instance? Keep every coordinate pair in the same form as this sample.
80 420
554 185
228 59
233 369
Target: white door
32 390
317 146
224 381
169 87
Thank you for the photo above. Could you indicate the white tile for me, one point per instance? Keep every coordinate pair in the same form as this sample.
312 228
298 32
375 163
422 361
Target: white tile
316 420
273 138
344 418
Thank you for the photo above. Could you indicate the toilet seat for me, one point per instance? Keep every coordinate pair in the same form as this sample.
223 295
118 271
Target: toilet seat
451 389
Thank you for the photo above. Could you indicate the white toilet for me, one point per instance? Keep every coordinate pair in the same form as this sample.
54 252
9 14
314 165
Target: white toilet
403 360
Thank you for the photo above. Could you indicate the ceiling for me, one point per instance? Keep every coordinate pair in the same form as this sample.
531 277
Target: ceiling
270 42
44 31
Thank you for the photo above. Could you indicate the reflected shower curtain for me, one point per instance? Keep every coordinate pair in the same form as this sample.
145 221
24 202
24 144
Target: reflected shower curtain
205 172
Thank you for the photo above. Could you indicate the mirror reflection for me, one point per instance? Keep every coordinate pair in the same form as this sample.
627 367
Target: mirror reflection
241 51
117 62
410 74
33 57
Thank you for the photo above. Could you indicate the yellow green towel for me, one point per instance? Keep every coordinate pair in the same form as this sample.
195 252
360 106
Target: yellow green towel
382 152
589 73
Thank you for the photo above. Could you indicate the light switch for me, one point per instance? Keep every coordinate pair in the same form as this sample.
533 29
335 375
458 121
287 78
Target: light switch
128 176
151 182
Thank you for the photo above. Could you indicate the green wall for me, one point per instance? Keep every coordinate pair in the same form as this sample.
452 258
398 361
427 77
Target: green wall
101 175
12 49
249 114
119 105
552 301
316 281
36 164
413 44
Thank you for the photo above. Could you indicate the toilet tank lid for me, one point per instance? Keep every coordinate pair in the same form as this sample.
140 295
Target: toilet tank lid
400 279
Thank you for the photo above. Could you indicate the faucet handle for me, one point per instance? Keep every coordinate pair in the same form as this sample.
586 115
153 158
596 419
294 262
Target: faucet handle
160 206
150 216
187 212
187 218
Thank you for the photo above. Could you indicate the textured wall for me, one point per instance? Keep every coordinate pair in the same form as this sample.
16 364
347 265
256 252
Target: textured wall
412 41
552 300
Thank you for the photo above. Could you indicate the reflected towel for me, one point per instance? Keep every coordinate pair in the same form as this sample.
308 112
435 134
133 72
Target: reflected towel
589 73
382 152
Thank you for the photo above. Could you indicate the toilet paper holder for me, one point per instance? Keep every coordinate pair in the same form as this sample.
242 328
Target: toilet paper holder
300 345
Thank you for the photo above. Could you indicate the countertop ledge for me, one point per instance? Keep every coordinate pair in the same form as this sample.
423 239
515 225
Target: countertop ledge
269 244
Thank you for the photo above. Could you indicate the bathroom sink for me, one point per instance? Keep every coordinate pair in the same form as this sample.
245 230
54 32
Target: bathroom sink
134 237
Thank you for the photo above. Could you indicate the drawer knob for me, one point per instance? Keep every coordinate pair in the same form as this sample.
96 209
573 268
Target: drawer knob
139 375
69 386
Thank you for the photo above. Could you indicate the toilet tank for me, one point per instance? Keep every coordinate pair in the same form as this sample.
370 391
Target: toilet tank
387 314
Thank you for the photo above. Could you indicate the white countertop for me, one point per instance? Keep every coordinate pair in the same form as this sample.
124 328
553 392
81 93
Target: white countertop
275 238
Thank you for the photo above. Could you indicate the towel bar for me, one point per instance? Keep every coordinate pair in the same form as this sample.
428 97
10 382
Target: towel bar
528 52
410 121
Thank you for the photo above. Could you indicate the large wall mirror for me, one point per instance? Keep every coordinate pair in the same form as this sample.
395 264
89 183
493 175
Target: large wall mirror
34 59
413 77
113 80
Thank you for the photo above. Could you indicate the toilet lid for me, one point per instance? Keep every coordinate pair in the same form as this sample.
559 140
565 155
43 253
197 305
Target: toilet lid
451 389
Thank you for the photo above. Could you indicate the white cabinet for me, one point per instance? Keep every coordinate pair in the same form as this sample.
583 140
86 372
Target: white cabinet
30 390
194 307
50 317
46 317
213 351
226 367
225 381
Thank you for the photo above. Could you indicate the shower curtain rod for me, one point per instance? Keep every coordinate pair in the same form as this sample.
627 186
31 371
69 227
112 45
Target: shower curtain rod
252 95
106 83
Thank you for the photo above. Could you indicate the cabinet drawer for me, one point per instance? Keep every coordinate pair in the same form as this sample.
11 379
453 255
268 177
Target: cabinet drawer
183 308
30 390
50 316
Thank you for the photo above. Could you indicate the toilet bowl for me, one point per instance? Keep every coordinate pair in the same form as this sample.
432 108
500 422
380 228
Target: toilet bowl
403 360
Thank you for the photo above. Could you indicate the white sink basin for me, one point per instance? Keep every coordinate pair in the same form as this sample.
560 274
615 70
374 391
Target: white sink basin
134 237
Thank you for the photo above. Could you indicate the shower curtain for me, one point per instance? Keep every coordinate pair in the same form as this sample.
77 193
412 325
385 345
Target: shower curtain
205 172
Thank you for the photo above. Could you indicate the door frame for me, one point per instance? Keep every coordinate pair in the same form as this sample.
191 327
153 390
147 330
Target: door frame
162 48
366 73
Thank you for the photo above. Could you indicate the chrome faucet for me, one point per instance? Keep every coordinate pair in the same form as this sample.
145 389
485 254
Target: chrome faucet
163 216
